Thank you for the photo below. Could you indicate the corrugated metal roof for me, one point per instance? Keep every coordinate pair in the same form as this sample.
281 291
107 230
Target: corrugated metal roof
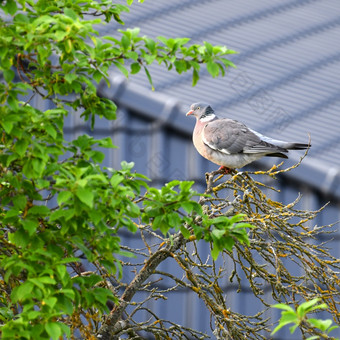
287 81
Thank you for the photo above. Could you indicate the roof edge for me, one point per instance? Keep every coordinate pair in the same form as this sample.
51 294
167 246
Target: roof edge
167 110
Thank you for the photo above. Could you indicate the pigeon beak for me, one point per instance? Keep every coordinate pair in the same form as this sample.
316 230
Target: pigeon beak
190 112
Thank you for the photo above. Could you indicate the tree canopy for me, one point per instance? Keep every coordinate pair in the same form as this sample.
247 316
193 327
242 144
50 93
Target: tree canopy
60 207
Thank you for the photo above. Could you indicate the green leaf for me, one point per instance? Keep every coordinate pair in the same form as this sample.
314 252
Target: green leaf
19 238
173 183
228 243
40 210
293 328
53 330
127 165
174 220
150 44
106 143
208 47
283 306
187 206
149 78
180 65
38 166
243 226
323 325
332 328
65 329
8 126
97 156
64 196
213 69
85 195
217 233
225 221
286 318
33 315
133 209
236 218
62 272
12 101
57 214
21 146
60 35
159 222
289 316
83 141
132 55
70 77
20 201
51 301
116 179
95 216
97 76
122 69
8 75
46 280
186 185
185 232
13 212
309 306
125 41
228 63
195 77
68 45
70 13
22 292
215 252
21 18
135 68
241 236
10 7
68 293
30 225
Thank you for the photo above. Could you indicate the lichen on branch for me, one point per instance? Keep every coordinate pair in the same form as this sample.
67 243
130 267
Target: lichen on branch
283 237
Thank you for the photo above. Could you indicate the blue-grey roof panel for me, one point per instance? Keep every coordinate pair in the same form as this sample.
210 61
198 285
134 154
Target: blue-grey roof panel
287 81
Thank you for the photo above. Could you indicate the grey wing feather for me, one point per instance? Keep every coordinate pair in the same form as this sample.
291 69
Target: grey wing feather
230 136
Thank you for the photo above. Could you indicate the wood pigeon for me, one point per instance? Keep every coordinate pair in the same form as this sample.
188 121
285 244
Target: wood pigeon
231 144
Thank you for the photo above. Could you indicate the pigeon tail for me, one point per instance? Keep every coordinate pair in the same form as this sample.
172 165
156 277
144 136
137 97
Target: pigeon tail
277 154
296 146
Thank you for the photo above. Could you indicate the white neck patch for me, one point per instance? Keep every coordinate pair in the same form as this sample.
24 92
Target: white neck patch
208 118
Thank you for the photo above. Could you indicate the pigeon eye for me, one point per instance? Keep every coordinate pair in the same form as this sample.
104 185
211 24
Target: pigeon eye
197 108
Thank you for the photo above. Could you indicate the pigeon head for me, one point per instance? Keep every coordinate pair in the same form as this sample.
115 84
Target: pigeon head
202 111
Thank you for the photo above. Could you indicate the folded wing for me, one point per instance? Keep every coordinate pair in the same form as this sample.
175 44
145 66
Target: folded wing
231 137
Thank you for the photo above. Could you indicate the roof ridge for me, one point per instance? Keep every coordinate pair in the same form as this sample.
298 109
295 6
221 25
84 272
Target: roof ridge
262 48
303 113
289 77
255 16
152 14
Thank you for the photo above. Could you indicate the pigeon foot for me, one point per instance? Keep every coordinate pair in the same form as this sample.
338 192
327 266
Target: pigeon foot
224 170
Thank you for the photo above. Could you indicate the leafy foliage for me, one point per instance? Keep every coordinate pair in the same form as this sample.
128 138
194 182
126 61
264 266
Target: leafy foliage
58 205
296 317
162 208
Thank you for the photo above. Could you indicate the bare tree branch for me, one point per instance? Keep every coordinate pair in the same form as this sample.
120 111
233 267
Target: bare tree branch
283 235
